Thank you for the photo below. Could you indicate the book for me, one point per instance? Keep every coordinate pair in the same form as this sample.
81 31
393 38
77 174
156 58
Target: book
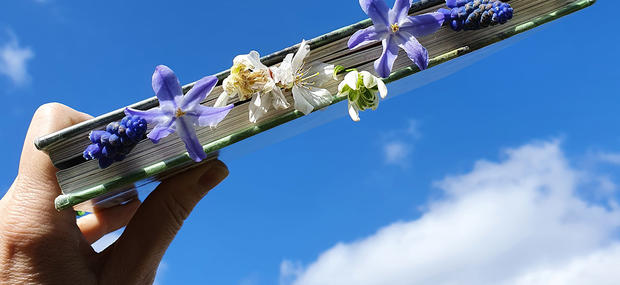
85 185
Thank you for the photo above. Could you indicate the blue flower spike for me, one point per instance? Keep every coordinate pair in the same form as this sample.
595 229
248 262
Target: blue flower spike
476 14
181 113
116 142
396 29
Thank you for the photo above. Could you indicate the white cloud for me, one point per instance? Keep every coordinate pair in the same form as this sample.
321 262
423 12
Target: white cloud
519 221
599 268
14 59
398 144
396 152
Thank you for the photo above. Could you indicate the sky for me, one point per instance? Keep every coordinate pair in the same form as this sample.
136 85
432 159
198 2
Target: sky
504 171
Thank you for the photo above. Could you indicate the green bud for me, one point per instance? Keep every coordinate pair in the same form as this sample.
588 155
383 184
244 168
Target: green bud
338 69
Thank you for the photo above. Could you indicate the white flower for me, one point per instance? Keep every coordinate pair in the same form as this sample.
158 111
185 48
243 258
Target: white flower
249 78
304 80
361 89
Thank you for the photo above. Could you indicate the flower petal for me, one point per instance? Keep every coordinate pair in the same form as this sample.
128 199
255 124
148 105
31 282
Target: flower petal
152 116
199 92
162 130
301 104
187 133
254 58
308 99
382 88
166 85
377 10
284 73
368 79
366 36
300 55
384 64
400 10
279 101
209 116
222 100
416 52
423 25
322 72
351 79
354 112
451 3
259 106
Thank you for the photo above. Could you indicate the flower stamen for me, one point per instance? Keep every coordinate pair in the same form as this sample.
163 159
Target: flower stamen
395 28
179 113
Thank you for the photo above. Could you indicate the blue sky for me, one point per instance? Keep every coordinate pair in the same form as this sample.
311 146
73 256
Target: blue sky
504 172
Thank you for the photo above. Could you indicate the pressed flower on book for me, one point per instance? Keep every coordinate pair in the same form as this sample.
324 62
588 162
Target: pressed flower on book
116 141
395 28
361 89
305 80
476 14
249 78
179 113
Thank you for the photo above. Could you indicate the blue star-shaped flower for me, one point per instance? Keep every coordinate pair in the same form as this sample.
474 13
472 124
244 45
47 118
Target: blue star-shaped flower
394 28
178 113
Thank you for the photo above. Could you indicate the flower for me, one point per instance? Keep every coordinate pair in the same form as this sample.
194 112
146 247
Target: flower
178 113
304 80
249 78
116 141
361 89
394 28
476 14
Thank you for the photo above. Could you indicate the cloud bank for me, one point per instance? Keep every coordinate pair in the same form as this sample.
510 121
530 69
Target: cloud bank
518 221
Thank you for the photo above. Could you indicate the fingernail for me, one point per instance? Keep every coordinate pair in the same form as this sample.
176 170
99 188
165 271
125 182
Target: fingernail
215 173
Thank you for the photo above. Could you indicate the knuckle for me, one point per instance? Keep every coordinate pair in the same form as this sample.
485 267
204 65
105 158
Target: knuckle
49 109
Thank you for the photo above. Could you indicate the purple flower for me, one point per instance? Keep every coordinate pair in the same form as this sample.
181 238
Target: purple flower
178 113
394 28
116 142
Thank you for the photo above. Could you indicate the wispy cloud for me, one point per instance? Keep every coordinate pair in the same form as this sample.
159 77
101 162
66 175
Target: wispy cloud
398 144
609 157
396 152
14 59
518 221
289 271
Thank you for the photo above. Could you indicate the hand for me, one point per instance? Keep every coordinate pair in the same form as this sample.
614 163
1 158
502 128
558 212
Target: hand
41 245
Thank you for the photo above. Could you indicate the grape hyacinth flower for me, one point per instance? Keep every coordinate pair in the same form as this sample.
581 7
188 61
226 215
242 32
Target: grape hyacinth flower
116 141
304 80
476 14
394 28
178 113
361 89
